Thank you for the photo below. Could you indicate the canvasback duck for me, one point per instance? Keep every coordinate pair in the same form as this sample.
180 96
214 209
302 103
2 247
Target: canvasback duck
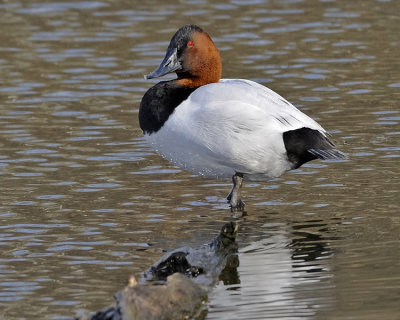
224 128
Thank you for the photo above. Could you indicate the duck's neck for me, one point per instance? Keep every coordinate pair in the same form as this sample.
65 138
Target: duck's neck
206 77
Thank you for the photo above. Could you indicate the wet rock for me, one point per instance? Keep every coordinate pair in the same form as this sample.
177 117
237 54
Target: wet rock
110 313
178 298
204 263
176 287
174 262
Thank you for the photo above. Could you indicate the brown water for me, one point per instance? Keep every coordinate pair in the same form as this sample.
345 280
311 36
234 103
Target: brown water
84 202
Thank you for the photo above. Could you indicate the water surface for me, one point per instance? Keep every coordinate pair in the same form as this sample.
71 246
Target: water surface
84 202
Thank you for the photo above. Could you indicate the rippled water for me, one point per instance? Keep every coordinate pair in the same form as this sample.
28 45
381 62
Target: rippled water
84 202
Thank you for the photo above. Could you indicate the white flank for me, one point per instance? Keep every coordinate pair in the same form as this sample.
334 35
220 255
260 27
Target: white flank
230 126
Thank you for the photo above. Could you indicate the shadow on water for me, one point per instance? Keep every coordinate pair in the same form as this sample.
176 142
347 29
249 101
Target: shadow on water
309 246
283 272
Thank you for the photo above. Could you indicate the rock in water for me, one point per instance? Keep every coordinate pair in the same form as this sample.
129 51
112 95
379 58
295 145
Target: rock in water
176 287
207 261
180 297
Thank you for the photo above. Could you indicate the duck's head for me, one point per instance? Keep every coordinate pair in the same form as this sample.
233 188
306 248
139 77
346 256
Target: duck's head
193 56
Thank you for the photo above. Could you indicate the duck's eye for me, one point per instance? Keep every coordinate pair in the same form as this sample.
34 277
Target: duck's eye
190 44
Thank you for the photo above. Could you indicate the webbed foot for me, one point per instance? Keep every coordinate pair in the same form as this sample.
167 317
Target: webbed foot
234 197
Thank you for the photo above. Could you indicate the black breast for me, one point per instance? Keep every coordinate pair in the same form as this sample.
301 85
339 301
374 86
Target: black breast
159 102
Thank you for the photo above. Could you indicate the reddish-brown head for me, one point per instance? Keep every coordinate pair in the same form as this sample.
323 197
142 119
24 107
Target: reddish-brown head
193 56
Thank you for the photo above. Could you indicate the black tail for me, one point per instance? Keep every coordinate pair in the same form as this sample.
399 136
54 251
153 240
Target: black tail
305 144
328 154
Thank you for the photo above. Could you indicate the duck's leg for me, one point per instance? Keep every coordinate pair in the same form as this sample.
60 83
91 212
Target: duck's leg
235 196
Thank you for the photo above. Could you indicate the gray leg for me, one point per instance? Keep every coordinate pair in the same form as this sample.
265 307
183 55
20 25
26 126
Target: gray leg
234 197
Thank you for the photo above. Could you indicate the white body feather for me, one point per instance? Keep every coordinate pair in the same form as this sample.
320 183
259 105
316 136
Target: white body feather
230 126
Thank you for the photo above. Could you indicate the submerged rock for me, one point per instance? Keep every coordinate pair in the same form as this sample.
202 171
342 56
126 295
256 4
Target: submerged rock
176 287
